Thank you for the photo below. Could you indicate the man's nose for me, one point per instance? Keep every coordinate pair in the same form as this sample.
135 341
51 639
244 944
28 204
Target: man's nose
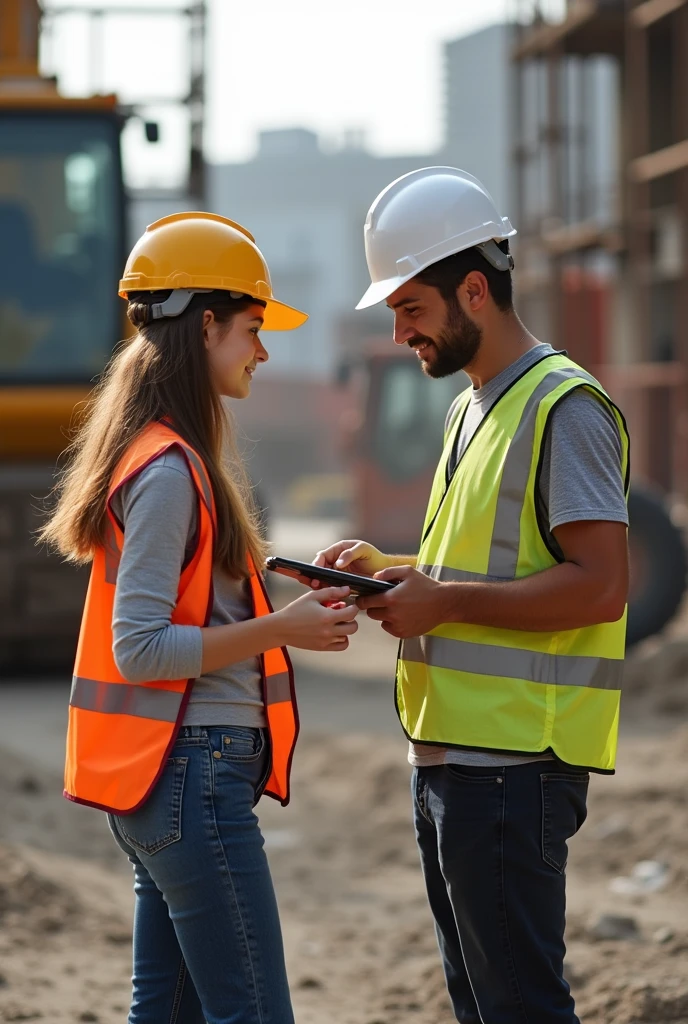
402 332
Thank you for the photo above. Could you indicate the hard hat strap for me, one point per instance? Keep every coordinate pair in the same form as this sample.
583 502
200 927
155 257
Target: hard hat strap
495 256
175 304
179 299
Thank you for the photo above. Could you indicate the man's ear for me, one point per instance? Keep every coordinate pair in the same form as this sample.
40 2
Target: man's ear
474 290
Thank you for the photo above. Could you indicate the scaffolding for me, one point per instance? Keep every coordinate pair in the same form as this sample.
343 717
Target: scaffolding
600 158
194 15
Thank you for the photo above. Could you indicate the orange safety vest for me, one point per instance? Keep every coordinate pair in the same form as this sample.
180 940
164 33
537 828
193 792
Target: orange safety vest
120 734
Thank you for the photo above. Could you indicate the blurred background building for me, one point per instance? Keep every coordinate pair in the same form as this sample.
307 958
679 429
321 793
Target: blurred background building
307 201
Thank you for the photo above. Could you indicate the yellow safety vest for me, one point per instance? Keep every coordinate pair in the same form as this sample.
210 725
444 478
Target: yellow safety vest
485 688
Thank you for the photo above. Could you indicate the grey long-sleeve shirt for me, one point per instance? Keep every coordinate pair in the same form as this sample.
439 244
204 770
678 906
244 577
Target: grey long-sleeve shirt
159 511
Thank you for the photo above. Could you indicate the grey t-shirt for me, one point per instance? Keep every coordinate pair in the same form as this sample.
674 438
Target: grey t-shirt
158 509
581 479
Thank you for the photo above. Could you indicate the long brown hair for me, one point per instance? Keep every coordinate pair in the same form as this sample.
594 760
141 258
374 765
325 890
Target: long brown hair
161 372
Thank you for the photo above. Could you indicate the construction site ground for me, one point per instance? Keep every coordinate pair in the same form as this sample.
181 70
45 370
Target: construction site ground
359 937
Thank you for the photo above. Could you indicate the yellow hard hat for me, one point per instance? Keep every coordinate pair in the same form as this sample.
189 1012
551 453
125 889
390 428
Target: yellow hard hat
196 252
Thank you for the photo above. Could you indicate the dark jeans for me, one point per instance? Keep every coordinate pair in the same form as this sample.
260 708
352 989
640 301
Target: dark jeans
493 845
207 940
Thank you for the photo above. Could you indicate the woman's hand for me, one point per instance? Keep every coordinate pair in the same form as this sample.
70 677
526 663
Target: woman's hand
310 624
355 556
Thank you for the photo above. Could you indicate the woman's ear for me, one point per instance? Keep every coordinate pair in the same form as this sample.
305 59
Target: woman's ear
208 319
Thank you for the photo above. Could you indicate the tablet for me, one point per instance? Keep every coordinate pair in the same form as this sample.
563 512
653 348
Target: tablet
361 586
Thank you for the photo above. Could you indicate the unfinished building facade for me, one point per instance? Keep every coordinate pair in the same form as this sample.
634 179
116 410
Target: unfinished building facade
600 161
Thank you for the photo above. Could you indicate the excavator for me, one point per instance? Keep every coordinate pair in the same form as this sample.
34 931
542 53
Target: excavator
62 242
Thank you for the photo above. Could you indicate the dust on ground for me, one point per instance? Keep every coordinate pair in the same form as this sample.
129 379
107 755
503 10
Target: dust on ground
358 933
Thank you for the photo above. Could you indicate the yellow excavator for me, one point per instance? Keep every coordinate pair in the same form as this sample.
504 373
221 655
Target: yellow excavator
62 240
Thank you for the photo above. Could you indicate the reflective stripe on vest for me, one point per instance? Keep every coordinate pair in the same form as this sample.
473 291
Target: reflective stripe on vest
159 704
506 534
514 663
488 688
125 699
120 734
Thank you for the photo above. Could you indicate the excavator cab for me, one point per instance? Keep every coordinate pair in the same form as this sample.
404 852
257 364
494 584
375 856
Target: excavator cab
61 225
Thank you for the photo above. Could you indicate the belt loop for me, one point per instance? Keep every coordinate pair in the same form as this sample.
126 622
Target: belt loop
195 730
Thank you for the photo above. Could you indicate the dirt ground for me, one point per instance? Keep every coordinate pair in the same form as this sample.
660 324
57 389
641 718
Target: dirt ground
359 938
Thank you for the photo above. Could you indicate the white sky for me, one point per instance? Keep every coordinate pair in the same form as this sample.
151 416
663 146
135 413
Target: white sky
374 65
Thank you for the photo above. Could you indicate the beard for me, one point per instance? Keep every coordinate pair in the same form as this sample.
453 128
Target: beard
454 347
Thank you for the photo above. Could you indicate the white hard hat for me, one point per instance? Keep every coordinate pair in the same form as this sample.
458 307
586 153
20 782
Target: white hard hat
421 218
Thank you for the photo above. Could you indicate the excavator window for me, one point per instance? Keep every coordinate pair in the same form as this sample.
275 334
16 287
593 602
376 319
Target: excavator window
61 245
408 413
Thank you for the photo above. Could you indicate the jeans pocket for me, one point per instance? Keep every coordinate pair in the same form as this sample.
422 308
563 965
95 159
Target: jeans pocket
239 743
475 773
564 810
159 822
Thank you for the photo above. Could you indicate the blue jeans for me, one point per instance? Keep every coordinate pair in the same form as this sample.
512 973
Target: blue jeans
207 940
493 845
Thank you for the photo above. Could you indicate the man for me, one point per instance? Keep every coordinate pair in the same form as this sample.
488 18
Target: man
512 616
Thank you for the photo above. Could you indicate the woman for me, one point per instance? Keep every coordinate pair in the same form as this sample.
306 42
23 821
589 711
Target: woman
182 710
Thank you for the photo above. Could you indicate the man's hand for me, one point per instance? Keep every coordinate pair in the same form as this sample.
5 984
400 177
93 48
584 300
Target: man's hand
353 556
414 607
588 588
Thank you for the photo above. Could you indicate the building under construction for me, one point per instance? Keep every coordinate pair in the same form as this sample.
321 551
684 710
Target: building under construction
600 156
